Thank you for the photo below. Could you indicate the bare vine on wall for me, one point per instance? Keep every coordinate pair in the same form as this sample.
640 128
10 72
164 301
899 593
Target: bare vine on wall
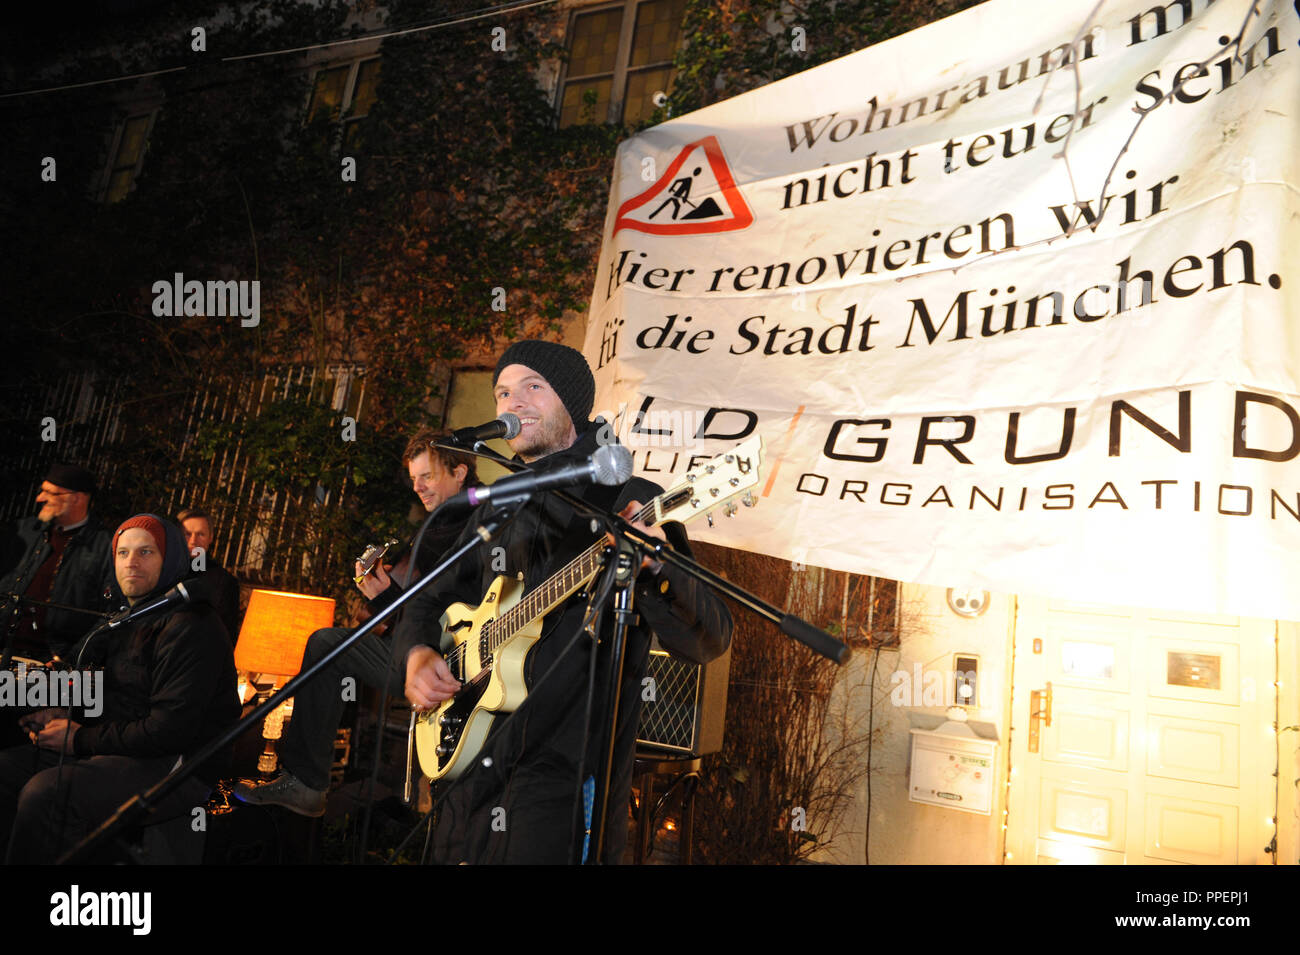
797 735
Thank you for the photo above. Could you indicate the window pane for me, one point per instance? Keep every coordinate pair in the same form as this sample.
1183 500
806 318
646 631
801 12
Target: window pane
641 88
575 108
119 185
327 96
658 25
363 96
353 136
594 46
132 144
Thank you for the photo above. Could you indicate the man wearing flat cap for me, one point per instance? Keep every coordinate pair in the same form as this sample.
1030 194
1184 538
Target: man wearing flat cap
64 560
520 802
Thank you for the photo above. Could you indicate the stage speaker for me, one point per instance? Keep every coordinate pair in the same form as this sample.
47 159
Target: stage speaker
684 707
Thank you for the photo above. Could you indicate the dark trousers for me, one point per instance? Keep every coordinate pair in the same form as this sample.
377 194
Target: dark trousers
42 816
523 818
307 747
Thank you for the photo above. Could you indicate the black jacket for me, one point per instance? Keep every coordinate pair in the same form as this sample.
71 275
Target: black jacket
443 531
224 597
535 757
84 574
169 679
169 688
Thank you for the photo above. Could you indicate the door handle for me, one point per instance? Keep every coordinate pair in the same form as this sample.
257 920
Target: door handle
1040 708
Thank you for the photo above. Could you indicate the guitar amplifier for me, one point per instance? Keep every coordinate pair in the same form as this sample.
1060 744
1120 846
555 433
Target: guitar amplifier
684 709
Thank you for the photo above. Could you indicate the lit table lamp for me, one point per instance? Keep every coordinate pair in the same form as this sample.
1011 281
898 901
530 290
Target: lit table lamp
272 641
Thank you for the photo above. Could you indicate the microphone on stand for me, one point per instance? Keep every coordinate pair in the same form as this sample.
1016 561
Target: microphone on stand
186 591
507 426
610 465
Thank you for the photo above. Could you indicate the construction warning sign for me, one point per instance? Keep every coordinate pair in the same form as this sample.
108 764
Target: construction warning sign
696 194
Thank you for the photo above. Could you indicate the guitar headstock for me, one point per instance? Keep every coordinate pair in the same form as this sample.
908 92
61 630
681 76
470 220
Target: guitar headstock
715 483
372 555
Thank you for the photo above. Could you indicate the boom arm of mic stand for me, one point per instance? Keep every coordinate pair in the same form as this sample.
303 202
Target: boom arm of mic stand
142 803
819 641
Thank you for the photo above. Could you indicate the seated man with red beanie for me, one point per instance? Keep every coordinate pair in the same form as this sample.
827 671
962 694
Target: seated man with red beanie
168 688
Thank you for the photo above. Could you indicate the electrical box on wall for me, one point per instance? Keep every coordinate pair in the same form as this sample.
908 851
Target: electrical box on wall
953 768
965 668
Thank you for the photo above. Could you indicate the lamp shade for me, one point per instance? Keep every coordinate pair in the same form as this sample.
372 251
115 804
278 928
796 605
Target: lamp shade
275 630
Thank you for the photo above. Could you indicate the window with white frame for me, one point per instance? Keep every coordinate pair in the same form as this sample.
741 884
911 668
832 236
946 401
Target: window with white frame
620 56
345 94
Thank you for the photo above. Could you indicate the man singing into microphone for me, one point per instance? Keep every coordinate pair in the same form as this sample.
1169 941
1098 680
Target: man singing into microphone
168 688
519 803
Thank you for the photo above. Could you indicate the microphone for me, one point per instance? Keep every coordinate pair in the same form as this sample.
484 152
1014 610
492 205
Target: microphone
610 465
186 591
507 426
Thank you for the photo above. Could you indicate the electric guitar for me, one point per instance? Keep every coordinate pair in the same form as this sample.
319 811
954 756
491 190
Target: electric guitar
493 639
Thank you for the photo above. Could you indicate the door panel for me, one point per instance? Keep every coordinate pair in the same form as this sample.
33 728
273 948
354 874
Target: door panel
1153 742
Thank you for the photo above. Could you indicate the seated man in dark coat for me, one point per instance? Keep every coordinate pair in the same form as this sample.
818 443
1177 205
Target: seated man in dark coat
168 688
62 557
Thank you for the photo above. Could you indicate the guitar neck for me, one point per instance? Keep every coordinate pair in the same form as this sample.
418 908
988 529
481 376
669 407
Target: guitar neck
711 485
557 588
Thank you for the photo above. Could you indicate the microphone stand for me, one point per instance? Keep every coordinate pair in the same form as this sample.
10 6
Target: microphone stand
633 545
623 568
7 653
143 803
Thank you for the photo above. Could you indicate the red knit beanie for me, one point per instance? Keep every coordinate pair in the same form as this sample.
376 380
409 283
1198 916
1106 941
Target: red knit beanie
149 523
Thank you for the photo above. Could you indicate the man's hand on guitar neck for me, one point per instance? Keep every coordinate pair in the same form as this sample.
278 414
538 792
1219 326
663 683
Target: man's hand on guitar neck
428 679
374 583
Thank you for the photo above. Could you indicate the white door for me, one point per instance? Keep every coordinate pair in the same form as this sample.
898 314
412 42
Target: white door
1160 746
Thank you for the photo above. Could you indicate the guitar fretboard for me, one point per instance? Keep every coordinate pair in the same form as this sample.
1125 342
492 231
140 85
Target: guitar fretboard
554 591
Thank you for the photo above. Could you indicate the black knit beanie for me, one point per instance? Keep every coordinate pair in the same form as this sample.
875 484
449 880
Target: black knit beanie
71 477
565 370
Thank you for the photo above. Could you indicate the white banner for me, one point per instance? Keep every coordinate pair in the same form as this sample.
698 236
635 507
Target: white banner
968 368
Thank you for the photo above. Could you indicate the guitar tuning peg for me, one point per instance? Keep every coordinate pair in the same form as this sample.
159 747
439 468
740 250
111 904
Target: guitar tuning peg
748 500
734 482
709 518
730 509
